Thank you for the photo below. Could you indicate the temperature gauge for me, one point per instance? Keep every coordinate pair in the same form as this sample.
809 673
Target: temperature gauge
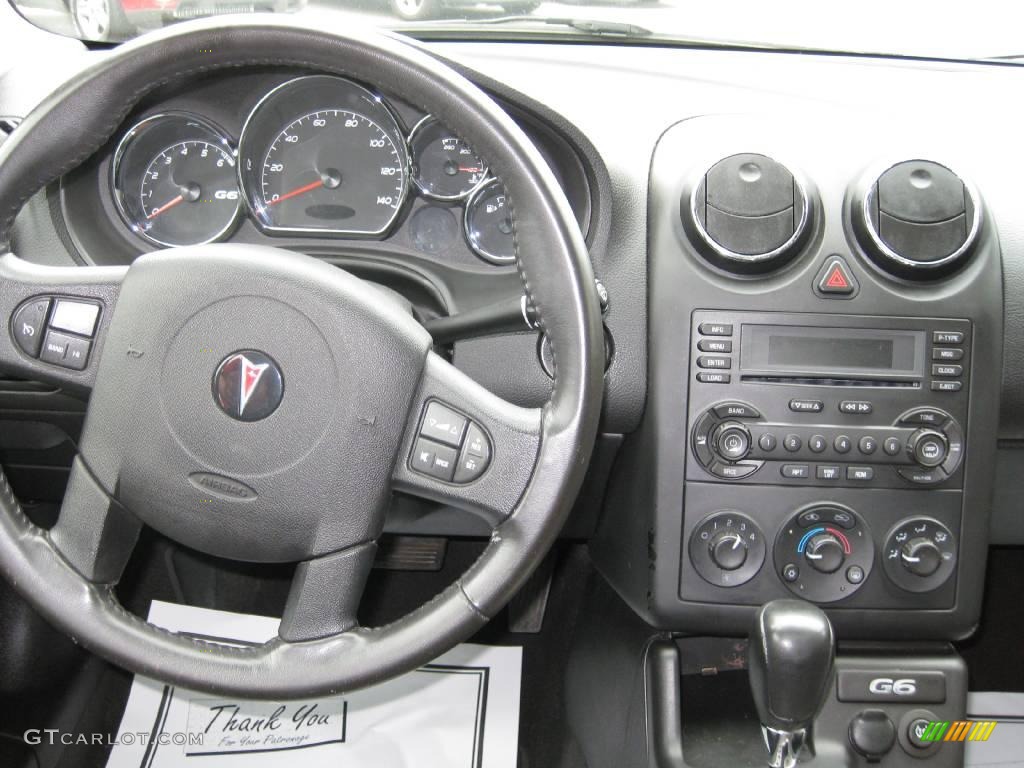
444 166
488 224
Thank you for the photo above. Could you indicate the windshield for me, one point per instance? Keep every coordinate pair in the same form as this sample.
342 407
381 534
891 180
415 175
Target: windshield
933 29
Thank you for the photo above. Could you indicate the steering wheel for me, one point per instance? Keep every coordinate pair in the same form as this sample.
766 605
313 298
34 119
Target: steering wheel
262 405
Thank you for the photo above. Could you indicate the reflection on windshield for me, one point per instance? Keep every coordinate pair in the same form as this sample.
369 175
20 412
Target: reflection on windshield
911 27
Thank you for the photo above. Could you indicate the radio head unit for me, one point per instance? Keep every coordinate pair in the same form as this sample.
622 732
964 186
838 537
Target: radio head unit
833 400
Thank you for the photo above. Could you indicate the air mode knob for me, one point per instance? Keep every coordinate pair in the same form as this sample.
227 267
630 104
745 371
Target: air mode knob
921 557
916 219
825 553
728 550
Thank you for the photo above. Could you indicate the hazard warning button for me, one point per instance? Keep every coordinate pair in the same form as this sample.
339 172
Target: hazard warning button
835 279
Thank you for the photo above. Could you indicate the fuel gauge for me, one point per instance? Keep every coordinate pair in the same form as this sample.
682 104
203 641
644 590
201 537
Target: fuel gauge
488 224
444 166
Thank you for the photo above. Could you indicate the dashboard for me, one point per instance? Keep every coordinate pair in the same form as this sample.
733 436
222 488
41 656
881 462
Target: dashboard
806 310
304 160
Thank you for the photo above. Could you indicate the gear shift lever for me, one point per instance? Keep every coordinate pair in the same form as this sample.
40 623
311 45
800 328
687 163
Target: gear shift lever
790 658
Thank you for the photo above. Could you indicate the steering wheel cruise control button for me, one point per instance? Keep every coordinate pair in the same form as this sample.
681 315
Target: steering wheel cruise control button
475 455
28 324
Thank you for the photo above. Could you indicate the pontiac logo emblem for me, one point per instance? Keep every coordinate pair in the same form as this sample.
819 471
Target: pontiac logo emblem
248 385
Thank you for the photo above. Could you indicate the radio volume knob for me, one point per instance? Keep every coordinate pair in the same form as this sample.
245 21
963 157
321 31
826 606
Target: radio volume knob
732 441
825 553
928 447
921 557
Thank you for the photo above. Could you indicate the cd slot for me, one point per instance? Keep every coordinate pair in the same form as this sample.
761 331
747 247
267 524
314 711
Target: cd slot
832 381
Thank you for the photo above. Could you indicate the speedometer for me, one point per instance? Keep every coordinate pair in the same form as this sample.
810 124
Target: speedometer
322 155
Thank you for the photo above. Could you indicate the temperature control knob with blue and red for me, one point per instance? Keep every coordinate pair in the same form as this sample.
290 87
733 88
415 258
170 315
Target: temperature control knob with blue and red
824 553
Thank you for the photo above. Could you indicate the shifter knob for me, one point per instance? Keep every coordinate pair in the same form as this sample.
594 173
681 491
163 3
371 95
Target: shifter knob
790 658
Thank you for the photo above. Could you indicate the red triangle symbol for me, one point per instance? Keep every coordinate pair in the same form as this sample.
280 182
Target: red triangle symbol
836 278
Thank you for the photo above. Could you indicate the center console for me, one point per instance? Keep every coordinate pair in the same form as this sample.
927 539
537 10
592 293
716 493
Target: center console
824 366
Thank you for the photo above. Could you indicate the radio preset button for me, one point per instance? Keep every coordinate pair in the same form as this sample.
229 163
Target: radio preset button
891 446
817 443
939 369
862 474
767 442
867 445
792 443
806 406
862 407
736 411
705 377
947 337
796 471
715 329
947 353
827 472
947 386
714 345
842 444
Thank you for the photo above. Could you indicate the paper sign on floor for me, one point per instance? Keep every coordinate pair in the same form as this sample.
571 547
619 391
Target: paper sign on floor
461 711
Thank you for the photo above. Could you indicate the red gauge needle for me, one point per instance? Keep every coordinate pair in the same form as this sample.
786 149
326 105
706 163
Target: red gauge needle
470 170
166 207
296 192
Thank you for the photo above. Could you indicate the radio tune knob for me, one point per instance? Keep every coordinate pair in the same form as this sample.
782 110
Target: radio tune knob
825 553
728 550
732 441
928 448
921 557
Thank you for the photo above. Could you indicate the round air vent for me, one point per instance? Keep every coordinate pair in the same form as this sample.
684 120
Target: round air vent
748 213
917 219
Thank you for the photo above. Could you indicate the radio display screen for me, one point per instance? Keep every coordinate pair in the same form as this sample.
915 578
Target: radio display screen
831 351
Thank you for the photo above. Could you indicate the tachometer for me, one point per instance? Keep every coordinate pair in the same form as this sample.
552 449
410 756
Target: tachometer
175 181
324 155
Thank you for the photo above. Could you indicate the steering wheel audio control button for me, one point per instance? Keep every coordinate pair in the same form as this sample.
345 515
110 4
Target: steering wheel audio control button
442 424
75 317
28 324
449 446
434 459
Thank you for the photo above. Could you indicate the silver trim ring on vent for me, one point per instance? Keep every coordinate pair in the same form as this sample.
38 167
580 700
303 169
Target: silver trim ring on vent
755 258
889 253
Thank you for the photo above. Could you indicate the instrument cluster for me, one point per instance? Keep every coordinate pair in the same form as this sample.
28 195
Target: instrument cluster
318 156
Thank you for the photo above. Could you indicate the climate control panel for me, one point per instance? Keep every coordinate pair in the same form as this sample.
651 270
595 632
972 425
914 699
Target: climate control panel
824 553
923 447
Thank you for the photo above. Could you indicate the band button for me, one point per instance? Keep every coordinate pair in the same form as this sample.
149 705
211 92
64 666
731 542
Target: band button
735 411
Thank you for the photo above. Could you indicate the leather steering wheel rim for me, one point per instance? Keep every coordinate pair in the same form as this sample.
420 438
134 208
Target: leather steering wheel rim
78 118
